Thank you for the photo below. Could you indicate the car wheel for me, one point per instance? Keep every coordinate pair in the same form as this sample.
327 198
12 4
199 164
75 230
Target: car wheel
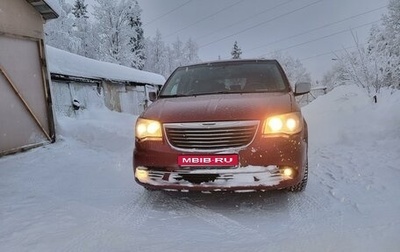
301 186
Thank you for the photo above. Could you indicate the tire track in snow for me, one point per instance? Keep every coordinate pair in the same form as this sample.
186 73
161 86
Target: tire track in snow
343 180
313 207
319 204
307 213
99 232
344 176
215 219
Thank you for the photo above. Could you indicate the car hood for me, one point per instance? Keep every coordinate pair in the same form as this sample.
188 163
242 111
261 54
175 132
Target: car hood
219 107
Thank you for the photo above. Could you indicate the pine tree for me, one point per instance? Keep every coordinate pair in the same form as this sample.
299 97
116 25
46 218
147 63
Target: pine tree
136 41
83 30
80 9
236 51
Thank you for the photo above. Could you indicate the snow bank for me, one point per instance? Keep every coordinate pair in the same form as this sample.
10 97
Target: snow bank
62 62
347 113
99 129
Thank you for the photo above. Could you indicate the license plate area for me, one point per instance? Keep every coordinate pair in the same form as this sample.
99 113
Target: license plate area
215 161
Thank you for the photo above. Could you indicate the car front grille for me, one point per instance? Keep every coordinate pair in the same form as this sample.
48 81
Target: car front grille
210 136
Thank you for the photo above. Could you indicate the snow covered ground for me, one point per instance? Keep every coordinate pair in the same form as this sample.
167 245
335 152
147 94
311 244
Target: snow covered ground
79 195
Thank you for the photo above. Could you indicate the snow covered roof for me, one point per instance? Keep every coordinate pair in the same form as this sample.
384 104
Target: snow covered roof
46 8
62 62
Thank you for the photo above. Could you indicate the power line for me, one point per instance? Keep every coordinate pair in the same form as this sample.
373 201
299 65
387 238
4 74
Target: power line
324 37
262 23
205 18
243 20
169 12
327 53
315 29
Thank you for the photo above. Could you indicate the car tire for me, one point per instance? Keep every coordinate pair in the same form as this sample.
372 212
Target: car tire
149 189
301 186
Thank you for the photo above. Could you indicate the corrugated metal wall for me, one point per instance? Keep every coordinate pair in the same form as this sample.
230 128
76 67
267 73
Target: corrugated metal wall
89 95
120 97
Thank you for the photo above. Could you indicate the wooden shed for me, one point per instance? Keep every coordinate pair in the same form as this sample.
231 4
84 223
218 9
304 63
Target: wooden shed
26 118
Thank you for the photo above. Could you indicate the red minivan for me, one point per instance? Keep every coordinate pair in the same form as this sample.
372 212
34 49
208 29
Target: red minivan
223 126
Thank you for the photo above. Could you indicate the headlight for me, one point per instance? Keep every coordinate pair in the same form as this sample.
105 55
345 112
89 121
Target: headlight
148 129
291 123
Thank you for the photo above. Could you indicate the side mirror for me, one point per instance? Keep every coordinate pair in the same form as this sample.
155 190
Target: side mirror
152 96
302 88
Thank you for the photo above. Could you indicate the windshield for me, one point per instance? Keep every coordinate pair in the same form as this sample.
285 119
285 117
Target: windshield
225 78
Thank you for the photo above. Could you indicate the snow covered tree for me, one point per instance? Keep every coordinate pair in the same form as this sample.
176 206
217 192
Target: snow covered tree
236 51
137 40
378 64
59 32
183 53
363 68
80 9
157 57
115 29
164 59
71 33
176 55
384 46
83 30
337 76
295 70
391 24
191 53
88 39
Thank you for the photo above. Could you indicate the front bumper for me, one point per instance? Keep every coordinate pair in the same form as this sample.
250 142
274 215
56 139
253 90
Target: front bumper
261 166
235 179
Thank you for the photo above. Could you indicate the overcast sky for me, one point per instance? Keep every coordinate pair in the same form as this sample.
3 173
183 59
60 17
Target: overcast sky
263 26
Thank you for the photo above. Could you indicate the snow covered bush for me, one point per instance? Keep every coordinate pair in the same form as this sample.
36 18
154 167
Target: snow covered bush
335 77
377 64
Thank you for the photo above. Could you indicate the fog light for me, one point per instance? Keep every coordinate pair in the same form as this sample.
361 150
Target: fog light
141 175
287 172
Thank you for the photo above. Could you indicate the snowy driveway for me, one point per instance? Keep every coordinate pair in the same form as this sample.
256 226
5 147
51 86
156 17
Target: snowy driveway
79 194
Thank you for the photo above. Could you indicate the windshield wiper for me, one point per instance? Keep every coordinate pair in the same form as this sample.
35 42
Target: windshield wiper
198 94
212 93
173 96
